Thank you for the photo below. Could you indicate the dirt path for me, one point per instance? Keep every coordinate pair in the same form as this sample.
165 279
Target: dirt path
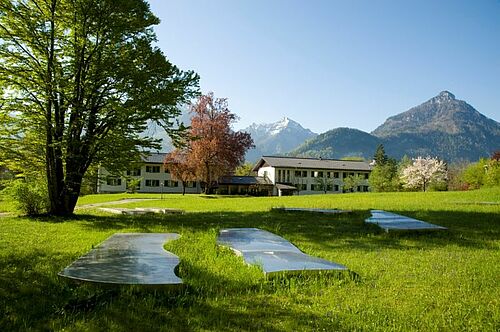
122 201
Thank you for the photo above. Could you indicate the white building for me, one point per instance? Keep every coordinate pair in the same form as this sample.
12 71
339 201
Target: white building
153 176
311 175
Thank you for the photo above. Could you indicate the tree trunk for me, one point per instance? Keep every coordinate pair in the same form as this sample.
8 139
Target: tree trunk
63 193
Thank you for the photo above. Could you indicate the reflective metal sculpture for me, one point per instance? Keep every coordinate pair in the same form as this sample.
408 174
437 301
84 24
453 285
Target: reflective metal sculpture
391 221
272 252
128 258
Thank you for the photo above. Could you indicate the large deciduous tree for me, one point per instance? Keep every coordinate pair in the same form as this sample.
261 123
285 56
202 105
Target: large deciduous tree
214 149
82 77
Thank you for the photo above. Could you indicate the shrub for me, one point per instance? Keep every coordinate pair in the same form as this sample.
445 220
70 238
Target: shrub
31 196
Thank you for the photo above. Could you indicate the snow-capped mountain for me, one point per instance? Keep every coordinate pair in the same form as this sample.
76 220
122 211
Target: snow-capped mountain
276 138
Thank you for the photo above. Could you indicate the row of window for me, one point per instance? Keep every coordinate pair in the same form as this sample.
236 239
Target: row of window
284 175
330 187
111 181
149 169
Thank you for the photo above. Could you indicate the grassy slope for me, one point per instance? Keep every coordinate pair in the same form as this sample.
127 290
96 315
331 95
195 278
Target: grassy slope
425 281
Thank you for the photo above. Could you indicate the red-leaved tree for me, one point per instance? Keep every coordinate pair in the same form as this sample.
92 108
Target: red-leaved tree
495 155
180 169
214 149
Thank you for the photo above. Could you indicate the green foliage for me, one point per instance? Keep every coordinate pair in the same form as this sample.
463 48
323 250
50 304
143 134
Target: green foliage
474 174
90 181
81 79
486 172
244 170
380 157
324 184
385 177
351 183
492 173
133 185
30 196
446 281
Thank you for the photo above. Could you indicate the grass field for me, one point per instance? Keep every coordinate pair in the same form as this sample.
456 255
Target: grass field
398 281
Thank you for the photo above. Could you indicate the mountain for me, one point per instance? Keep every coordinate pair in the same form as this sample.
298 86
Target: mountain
276 138
443 113
443 126
339 143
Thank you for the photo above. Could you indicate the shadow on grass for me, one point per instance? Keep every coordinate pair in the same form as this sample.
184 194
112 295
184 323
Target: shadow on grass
212 302
465 229
33 297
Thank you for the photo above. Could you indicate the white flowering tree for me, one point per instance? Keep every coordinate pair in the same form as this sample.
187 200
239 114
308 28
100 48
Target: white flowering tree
422 172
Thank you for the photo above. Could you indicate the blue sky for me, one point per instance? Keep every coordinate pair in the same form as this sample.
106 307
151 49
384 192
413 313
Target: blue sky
329 63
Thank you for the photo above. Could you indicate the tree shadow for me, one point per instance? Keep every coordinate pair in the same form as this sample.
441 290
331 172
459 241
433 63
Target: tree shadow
33 297
343 231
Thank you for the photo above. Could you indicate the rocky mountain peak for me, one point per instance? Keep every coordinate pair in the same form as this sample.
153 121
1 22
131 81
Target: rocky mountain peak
446 95
277 137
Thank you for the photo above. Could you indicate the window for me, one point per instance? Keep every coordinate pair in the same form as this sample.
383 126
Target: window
336 175
316 174
152 169
329 187
302 186
134 172
344 175
304 174
298 174
329 175
152 183
171 183
190 184
287 176
336 187
366 176
167 170
111 181
320 174
279 175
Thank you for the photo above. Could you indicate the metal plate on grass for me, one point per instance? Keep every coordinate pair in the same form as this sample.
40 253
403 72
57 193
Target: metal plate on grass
278 261
325 211
254 239
391 221
271 252
128 258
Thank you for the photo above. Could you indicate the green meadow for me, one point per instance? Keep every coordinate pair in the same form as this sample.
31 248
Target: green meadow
424 281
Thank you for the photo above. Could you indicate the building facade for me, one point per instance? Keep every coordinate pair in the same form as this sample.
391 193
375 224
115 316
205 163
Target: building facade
151 177
312 175
275 176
